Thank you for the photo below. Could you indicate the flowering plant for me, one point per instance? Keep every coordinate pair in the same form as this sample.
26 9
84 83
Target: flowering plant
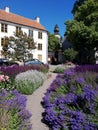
12 71
13 113
3 78
71 102
5 83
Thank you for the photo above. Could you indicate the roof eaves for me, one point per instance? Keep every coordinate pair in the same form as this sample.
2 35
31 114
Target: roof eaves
27 23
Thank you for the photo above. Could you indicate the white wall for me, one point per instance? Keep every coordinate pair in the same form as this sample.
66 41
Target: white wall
43 41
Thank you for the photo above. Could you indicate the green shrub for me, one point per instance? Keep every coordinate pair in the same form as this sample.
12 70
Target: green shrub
9 120
14 121
29 81
4 119
59 70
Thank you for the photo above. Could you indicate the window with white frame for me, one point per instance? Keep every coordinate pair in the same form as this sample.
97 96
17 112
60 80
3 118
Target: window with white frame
18 29
40 57
4 27
31 33
40 35
2 41
39 46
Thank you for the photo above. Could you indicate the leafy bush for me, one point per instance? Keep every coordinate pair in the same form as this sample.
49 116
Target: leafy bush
71 102
29 81
70 54
4 118
13 113
59 70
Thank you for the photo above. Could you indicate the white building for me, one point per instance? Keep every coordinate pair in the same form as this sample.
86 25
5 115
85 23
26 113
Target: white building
10 23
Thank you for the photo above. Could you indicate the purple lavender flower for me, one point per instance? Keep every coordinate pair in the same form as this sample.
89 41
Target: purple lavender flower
89 93
60 102
69 73
70 98
92 108
77 120
24 114
73 89
85 68
80 80
75 108
14 101
12 71
50 115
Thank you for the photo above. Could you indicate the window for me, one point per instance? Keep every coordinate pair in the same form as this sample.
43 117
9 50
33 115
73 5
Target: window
2 41
39 57
18 29
3 27
40 35
31 33
39 46
30 56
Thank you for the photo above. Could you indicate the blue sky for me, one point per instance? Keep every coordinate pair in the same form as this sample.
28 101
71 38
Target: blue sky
51 12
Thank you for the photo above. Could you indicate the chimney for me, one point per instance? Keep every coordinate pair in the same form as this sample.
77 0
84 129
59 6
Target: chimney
7 9
37 19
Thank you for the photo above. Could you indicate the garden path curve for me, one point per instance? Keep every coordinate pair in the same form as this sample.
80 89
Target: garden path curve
34 104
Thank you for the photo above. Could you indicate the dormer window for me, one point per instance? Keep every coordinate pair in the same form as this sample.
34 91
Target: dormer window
3 27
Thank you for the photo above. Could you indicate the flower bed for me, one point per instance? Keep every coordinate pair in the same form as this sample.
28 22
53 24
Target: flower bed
13 114
85 68
12 71
71 102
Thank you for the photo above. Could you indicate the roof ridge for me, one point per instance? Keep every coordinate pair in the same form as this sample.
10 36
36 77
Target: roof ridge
11 17
18 15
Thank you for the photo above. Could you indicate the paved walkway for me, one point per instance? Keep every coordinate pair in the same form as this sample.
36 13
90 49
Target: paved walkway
35 107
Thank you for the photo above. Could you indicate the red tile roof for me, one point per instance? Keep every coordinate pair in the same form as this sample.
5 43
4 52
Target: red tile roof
13 18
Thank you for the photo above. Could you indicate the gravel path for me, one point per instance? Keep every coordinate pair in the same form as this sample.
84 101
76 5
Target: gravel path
35 107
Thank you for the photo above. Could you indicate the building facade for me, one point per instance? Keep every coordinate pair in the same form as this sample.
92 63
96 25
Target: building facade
10 23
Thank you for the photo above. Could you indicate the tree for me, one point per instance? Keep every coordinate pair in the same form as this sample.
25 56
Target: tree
82 31
53 46
70 54
76 5
53 42
18 47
